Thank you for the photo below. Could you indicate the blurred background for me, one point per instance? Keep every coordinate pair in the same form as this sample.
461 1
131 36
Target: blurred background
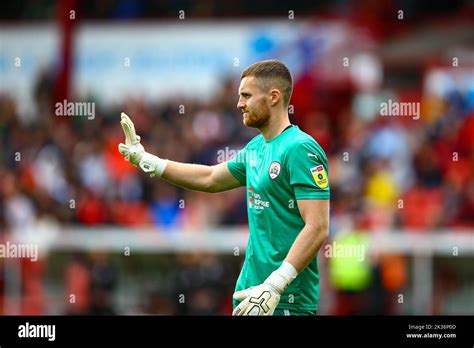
111 240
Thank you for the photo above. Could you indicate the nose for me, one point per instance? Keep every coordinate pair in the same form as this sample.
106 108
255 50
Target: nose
240 104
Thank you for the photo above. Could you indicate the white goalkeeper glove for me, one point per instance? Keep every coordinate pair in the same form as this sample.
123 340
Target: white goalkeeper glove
135 153
264 298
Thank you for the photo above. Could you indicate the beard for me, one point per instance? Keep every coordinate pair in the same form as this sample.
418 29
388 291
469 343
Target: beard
258 118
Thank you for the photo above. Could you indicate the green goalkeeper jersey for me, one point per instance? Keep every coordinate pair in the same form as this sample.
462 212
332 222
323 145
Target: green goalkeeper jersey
277 173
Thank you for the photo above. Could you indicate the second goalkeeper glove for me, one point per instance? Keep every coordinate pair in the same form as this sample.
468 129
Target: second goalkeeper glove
264 298
135 153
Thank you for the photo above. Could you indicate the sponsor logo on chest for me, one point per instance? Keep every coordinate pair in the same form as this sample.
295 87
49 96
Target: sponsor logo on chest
255 200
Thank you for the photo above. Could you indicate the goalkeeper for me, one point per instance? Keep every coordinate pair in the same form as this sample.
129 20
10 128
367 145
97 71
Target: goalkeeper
286 175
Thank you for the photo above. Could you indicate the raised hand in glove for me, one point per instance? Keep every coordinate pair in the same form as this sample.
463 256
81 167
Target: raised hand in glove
135 153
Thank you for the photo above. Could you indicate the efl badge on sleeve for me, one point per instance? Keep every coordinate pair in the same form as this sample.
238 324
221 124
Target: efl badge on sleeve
320 176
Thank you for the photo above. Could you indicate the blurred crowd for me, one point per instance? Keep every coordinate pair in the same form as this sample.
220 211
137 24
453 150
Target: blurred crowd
68 169
388 172
368 11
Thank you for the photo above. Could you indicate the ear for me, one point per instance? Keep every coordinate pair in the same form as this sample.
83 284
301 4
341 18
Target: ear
275 96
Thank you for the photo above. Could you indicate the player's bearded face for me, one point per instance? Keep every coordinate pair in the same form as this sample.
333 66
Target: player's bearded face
257 115
253 104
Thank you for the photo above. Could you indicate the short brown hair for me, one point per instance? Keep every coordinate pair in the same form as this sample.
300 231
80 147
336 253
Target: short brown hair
272 73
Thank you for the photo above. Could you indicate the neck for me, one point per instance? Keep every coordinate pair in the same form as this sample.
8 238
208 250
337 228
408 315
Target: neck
275 126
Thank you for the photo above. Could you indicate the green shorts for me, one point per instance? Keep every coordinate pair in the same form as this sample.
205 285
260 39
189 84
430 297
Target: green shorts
293 312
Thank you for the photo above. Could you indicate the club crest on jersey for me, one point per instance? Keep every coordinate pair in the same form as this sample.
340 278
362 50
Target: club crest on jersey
274 170
320 176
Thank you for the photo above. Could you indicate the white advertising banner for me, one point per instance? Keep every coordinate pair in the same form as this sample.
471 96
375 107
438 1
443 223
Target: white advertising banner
156 61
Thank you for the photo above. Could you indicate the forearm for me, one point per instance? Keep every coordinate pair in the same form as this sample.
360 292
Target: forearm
306 246
190 176
303 250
